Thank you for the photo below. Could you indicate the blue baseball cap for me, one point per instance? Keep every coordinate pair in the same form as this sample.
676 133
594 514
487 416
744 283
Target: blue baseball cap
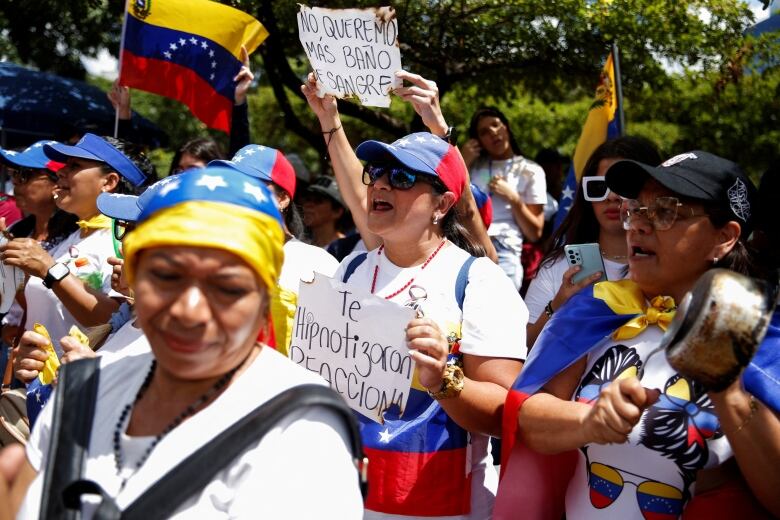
264 163
128 207
32 157
95 148
424 153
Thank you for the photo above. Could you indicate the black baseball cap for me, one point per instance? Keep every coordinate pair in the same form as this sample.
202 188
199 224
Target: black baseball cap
327 186
697 175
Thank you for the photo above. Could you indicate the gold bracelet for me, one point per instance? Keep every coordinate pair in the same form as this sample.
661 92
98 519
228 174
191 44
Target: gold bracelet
753 408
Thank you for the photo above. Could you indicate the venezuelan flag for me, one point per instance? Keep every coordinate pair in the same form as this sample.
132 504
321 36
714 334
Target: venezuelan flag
419 465
603 123
188 50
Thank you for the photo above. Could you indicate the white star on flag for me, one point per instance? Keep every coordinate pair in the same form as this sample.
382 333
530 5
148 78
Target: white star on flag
403 142
211 53
385 436
169 186
173 46
182 42
204 44
193 41
420 139
167 54
255 191
213 64
211 182
211 78
567 193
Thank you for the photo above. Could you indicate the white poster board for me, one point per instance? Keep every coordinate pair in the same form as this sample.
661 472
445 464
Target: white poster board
354 52
356 341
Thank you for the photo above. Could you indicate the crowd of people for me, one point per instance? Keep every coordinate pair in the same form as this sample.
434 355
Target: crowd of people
187 288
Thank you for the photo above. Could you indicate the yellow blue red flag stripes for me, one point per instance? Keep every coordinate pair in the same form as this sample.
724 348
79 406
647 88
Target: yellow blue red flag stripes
603 123
188 50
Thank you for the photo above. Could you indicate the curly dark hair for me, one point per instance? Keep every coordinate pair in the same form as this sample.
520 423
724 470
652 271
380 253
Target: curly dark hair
135 153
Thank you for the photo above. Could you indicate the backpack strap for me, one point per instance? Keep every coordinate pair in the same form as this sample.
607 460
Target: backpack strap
353 264
196 471
71 429
462 281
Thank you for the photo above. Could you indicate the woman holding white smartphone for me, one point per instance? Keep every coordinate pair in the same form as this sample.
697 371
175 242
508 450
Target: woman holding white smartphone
593 218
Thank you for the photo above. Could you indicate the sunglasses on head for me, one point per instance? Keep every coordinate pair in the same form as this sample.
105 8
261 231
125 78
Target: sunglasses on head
655 499
399 178
595 189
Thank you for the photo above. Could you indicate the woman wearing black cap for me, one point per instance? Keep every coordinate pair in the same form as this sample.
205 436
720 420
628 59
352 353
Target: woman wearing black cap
68 284
648 442
324 213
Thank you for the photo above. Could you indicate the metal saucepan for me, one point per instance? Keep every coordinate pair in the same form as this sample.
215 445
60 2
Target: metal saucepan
718 327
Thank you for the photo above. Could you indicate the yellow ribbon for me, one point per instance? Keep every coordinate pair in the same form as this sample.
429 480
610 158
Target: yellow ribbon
52 363
625 297
99 221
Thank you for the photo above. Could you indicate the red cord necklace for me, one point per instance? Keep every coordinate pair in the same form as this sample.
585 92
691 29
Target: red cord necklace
411 280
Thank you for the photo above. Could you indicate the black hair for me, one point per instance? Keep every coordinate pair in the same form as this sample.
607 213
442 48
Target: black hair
203 148
453 230
293 220
742 258
766 236
135 154
580 225
492 112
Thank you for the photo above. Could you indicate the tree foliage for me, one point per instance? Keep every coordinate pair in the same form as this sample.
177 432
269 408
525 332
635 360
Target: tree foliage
537 60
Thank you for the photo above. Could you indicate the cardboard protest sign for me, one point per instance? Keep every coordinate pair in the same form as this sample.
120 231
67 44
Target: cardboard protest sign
354 52
356 341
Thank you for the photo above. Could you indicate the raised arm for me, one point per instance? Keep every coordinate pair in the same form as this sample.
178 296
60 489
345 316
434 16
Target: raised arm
239 127
346 165
423 94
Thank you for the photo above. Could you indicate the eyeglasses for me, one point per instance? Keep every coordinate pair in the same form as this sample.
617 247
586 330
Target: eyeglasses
122 228
399 178
595 189
25 175
661 215
655 499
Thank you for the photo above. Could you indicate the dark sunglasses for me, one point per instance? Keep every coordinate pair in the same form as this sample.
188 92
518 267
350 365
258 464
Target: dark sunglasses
398 177
122 228
595 189
24 175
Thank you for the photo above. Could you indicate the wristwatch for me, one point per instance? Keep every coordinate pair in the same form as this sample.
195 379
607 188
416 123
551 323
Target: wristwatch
451 383
55 273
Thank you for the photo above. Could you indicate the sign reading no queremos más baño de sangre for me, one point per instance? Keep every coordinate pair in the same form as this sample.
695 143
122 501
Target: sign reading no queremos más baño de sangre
354 52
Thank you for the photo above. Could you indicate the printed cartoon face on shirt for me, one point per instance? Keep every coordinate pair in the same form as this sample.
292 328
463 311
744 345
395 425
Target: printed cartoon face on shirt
677 427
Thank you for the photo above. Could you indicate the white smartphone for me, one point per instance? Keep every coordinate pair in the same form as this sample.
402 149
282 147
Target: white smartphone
588 257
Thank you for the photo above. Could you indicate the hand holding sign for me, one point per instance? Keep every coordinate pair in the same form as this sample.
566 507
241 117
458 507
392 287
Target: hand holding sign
354 52
429 348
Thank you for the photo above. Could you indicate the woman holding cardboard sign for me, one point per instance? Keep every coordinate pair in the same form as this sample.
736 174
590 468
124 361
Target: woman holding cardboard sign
465 357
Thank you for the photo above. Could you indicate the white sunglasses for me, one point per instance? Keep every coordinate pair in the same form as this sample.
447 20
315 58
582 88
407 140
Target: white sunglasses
595 189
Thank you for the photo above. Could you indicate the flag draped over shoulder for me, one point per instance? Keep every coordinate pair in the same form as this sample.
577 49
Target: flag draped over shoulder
535 484
603 123
188 50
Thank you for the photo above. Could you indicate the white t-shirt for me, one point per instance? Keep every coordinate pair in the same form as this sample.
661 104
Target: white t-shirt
301 261
526 177
302 468
493 325
87 259
548 280
129 340
677 436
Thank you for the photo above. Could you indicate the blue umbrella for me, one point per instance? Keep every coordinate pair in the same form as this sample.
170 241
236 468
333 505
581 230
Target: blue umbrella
35 105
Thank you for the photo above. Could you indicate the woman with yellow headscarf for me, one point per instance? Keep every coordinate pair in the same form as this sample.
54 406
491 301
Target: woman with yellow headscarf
202 296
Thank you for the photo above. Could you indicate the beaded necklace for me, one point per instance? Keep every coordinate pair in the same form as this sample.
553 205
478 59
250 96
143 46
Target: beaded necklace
189 411
411 280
